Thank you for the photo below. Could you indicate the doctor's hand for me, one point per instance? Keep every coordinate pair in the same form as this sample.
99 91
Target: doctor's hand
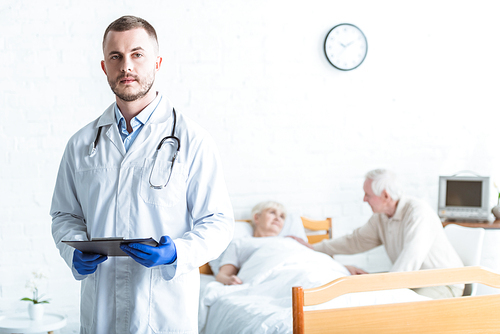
149 256
86 263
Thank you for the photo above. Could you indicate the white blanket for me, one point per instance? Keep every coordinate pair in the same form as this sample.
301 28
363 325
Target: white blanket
262 304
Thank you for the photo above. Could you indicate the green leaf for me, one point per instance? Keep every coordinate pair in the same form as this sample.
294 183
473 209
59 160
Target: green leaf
28 299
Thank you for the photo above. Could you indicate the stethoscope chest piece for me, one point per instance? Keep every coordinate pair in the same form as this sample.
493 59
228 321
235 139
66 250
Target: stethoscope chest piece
92 150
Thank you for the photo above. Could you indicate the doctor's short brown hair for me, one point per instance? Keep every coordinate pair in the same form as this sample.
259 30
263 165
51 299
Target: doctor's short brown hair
129 22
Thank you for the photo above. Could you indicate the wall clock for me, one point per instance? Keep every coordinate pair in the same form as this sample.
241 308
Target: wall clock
345 46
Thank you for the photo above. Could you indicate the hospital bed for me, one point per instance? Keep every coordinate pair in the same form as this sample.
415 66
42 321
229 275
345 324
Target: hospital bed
478 314
263 304
250 308
364 303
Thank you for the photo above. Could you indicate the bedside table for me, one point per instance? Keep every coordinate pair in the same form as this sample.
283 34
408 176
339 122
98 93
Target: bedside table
23 324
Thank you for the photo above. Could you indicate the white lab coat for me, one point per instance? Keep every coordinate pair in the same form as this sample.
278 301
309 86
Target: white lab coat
108 195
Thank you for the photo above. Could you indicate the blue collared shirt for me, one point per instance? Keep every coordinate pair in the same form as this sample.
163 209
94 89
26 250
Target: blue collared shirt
137 122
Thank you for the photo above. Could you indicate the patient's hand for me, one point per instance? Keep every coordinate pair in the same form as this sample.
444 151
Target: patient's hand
299 240
227 275
228 280
233 280
355 271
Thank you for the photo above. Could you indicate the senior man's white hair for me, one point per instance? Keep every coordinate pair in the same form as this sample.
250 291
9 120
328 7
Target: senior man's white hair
259 208
384 179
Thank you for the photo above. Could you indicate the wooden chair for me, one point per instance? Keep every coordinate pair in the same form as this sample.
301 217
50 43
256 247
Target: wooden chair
318 225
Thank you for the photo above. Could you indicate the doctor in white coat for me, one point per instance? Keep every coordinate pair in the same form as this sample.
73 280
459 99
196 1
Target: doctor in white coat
113 182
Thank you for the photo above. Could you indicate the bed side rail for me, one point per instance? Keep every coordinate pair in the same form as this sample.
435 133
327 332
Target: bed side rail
399 280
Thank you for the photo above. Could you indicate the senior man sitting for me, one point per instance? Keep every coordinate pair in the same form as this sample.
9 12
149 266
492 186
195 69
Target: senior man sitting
409 229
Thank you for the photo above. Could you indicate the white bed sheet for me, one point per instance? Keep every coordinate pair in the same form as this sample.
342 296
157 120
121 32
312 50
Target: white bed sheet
263 303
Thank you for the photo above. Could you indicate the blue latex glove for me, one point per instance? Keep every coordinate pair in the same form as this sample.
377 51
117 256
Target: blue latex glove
86 263
149 256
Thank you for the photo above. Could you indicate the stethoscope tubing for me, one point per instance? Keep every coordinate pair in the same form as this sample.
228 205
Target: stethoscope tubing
93 145
93 149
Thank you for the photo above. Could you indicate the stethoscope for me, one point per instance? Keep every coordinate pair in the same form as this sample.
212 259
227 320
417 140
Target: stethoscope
93 149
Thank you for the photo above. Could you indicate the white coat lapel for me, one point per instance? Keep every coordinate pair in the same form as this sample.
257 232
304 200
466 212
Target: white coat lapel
115 138
108 118
140 139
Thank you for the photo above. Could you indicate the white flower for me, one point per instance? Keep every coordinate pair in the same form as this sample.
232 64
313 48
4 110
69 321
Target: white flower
39 275
31 285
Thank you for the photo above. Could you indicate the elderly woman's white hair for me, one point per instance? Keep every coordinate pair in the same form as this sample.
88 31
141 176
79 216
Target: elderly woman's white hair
383 179
262 206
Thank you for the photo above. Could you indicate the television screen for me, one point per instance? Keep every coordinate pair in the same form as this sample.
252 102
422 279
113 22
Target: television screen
463 193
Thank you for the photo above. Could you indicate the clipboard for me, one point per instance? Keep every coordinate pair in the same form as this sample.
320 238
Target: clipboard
108 246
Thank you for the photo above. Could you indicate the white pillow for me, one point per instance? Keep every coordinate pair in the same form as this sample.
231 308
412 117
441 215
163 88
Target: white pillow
242 229
293 226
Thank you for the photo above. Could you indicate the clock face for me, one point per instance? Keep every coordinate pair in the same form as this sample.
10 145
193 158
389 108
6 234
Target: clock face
345 46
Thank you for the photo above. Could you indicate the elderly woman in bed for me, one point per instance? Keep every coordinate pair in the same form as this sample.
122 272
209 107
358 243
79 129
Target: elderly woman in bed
268 219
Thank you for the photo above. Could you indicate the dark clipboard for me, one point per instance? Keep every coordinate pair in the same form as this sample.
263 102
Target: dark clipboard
107 246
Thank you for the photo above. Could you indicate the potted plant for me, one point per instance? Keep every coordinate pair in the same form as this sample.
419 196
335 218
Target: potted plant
35 307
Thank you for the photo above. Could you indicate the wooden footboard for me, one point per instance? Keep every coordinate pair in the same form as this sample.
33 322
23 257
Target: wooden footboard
477 314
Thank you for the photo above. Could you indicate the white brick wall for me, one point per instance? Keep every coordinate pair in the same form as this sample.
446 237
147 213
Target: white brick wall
288 125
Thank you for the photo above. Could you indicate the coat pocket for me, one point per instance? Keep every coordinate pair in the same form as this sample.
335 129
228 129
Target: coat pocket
162 173
173 305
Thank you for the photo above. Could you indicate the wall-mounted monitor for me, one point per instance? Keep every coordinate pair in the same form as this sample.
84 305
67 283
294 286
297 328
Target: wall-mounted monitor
464 197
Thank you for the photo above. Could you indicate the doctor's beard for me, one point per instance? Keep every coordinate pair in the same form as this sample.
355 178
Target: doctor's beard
145 85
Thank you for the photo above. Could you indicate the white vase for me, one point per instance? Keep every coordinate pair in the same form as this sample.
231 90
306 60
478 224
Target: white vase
496 211
35 311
